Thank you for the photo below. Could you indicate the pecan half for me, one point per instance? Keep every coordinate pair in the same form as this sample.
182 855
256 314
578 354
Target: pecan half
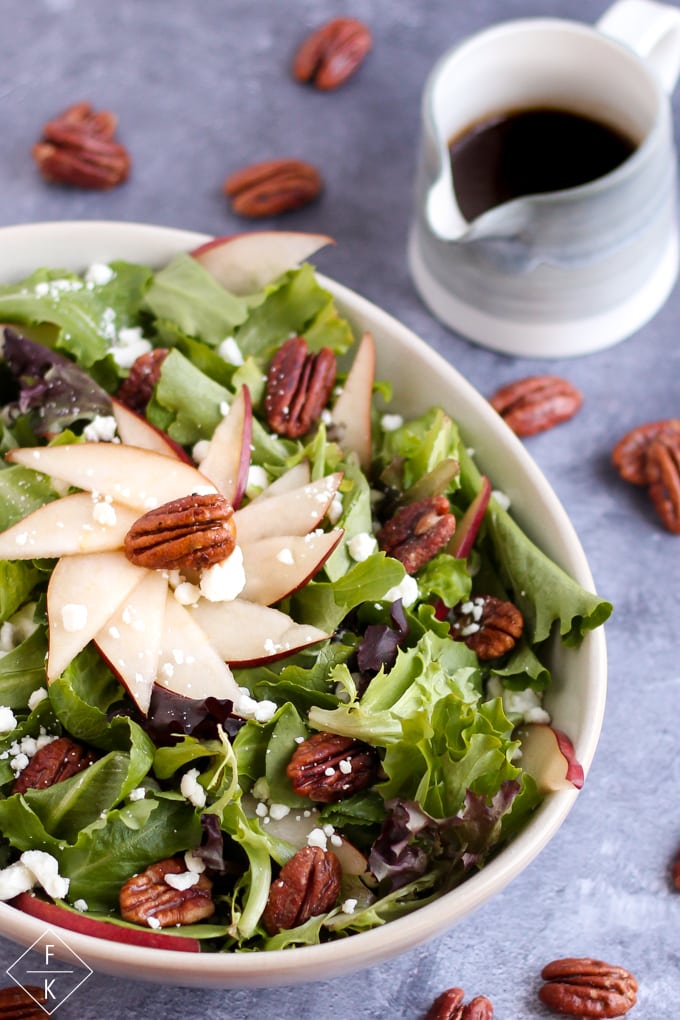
272 187
56 761
327 767
192 532
488 625
148 898
629 456
662 465
136 391
587 988
78 148
536 403
23 1003
308 885
418 531
299 384
675 871
450 1006
332 53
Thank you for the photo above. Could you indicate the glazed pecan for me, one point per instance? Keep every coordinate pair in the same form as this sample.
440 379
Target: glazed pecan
629 456
191 532
450 1006
56 761
536 403
148 898
663 477
418 531
23 1003
332 53
78 148
587 988
272 187
488 625
308 885
327 767
136 391
299 384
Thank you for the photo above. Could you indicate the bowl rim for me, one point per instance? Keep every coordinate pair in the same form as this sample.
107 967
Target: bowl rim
100 240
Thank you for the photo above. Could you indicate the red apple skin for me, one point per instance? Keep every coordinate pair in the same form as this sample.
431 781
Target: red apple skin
246 441
548 755
52 913
463 540
574 773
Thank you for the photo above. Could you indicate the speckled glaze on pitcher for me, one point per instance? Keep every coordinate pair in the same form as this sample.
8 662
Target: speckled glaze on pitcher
565 272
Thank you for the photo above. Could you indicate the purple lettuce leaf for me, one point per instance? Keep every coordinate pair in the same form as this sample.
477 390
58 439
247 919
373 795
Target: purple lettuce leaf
381 642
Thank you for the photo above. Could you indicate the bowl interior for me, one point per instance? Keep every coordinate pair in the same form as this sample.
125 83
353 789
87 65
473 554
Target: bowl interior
420 378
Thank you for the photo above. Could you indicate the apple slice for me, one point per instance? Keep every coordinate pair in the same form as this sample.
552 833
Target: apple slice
243 263
294 512
245 633
295 477
465 534
278 566
549 757
140 479
64 527
187 664
83 592
130 639
73 920
137 431
228 458
352 410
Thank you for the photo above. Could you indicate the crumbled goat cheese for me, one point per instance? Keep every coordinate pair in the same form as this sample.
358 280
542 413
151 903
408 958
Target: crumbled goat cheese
349 906
223 582
34 868
187 594
73 617
102 429
200 450
518 705
184 880
391 422
249 708
230 351
7 719
191 789
99 274
317 837
104 513
139 793
406 590
334 512
153 922
278 811
361 546
194 862
81 905
36 697
501 498
129 345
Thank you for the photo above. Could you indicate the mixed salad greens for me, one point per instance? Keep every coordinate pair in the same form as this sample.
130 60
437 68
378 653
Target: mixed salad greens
205 780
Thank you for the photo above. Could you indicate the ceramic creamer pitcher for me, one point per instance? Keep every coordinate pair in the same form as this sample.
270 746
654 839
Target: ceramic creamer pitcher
568 271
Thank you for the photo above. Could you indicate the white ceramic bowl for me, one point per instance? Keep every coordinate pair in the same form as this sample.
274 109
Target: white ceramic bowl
420 378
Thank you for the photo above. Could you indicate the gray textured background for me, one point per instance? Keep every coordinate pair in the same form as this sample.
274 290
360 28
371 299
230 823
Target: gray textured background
202 88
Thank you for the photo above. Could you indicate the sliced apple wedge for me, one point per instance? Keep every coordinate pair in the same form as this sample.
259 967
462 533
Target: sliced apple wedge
294 512
73 920
137 431
137 478
187 664
66 527
549 757
244 263
468 526
228 458
83 592
352 410
278 566
295 477
245 633
130 639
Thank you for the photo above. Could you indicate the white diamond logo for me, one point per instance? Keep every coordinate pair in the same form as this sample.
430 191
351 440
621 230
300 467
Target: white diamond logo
51 970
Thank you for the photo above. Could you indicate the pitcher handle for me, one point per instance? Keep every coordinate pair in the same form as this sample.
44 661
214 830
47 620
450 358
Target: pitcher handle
652 30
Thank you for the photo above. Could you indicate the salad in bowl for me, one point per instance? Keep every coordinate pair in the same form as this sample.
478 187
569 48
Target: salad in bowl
279 662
